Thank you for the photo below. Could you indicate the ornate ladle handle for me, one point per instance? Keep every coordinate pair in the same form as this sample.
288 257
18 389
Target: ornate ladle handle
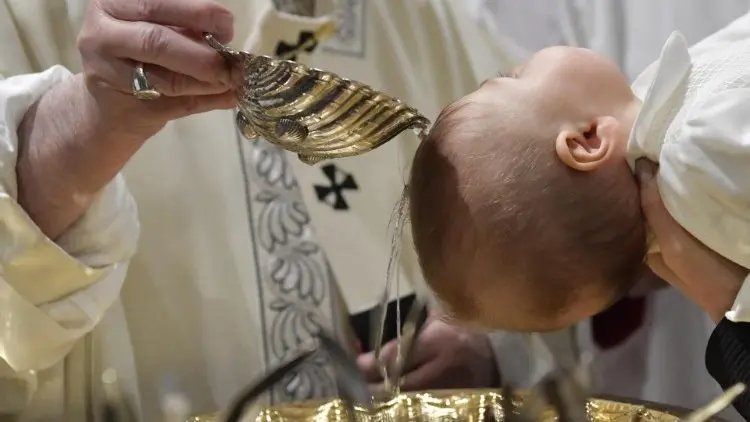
225 51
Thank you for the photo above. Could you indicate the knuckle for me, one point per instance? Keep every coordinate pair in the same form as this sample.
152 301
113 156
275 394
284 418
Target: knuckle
89 40
144 9
154 40
92 74
86 43
211 68
191 104
177 84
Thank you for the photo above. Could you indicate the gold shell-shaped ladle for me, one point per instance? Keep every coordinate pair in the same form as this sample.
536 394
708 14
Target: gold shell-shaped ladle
316 114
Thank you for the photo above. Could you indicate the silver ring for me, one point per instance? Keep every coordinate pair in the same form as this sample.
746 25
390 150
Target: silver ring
142 90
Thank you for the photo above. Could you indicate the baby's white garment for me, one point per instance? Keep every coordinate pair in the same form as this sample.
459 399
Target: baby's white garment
695 122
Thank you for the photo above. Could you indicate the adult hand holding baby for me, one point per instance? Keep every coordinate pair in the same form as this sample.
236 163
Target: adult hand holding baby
707 278
445 356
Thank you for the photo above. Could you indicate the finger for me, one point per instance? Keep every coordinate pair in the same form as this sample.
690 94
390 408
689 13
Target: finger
171 108
656 264
422 352
177 107
162 46
198 15
173 84
372 366
118 74
645 172
389 352
664 227
369 367
426 376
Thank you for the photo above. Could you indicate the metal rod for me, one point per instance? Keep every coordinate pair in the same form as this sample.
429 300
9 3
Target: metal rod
413 325
250 394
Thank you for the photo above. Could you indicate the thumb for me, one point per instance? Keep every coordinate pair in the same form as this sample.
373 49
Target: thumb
657 265
657 217
371 366
645 172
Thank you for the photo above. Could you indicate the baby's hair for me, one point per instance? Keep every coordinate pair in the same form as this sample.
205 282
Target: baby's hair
483 193
434 220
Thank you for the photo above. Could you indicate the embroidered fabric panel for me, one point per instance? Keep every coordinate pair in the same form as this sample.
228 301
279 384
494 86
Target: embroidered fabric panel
295 280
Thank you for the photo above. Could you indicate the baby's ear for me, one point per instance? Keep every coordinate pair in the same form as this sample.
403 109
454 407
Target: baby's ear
587 147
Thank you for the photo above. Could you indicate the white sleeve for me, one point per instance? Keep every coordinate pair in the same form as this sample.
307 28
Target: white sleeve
737 30
740 311
53 293
703 180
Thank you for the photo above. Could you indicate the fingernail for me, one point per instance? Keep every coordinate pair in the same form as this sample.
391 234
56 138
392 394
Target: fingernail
225 26
644 169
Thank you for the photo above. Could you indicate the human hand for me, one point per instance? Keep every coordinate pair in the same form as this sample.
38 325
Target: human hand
445 356
707 278
165 35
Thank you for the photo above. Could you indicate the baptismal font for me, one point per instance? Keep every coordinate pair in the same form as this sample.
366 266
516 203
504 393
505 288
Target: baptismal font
562 396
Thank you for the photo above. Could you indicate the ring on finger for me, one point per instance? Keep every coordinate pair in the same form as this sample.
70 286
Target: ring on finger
142 89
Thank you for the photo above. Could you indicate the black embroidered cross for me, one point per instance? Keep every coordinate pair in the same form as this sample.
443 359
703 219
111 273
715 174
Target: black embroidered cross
333 194
306 42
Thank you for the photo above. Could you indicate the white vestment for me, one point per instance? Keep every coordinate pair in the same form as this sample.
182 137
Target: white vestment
230 276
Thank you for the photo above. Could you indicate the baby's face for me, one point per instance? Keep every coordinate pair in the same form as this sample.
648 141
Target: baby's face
557 83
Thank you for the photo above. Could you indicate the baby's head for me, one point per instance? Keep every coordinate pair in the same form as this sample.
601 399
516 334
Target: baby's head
524 212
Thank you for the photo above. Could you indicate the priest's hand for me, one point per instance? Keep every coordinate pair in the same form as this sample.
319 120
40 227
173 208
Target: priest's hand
707 278
83 131
445 356
166 36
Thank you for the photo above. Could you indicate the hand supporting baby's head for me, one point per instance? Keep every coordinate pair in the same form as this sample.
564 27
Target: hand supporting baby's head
521 217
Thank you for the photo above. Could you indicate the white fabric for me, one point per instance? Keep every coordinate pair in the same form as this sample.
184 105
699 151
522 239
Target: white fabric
694 123
50 298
